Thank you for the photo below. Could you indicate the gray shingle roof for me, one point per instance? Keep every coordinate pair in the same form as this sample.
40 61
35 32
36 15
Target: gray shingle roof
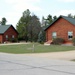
3 28
69 19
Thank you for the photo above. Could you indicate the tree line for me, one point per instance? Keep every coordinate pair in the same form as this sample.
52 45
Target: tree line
30 28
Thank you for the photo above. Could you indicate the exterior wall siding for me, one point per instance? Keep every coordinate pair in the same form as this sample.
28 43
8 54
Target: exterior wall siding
1 38
61 27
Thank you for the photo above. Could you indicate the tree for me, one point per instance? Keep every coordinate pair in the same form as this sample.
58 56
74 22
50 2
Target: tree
54 18
28 27
70 15
49 19
42 36
43 22
3 22
74 16
22 25
34 28
0 22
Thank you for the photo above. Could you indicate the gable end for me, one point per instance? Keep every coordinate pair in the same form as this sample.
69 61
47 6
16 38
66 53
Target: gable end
71 20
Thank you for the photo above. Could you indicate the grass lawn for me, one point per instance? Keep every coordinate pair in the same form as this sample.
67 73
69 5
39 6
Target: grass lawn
73 60
38 48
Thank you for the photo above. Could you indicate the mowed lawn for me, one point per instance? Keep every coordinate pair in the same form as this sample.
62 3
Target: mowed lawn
38 48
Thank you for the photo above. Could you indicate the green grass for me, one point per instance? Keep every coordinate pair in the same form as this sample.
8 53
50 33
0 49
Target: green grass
73 60
26 48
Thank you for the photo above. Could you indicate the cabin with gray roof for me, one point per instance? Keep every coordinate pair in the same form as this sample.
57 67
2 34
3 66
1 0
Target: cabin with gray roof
63 27
7 32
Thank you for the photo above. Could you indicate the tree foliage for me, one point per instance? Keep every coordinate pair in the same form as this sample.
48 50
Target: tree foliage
71 16
28 26
50 19
43 22
3 21
34 28
54 18
22 25
42 36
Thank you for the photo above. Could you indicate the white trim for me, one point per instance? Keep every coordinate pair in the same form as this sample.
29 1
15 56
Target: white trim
70 35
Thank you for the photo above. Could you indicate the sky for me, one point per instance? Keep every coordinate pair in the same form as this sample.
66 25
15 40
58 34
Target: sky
12 9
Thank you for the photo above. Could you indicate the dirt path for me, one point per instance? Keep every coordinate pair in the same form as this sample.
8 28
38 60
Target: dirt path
14 43
67 55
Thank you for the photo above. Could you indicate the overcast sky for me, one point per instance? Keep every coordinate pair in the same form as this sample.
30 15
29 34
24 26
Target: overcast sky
12 9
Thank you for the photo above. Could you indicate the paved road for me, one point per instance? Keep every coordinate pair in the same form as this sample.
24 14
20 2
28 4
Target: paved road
11 64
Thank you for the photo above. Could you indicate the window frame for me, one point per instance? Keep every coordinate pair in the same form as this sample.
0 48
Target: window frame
6 36
54 35
70 35
13 36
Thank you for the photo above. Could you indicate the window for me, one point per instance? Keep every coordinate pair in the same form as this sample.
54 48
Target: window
12 36
70 35
6 36
54 35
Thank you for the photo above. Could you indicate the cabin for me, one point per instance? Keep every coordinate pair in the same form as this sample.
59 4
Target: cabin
7 32
62 27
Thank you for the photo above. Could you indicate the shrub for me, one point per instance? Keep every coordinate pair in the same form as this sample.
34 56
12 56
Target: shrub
73 40
13 40
41 37
58 41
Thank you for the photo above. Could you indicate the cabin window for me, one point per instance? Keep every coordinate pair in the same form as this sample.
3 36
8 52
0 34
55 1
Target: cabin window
6 36
12 36
54 35
70 35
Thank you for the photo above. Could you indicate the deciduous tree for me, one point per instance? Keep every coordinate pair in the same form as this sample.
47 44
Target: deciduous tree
34 28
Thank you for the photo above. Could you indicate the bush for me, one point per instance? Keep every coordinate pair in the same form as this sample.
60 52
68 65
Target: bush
73 40
41 37
13 40
58 41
